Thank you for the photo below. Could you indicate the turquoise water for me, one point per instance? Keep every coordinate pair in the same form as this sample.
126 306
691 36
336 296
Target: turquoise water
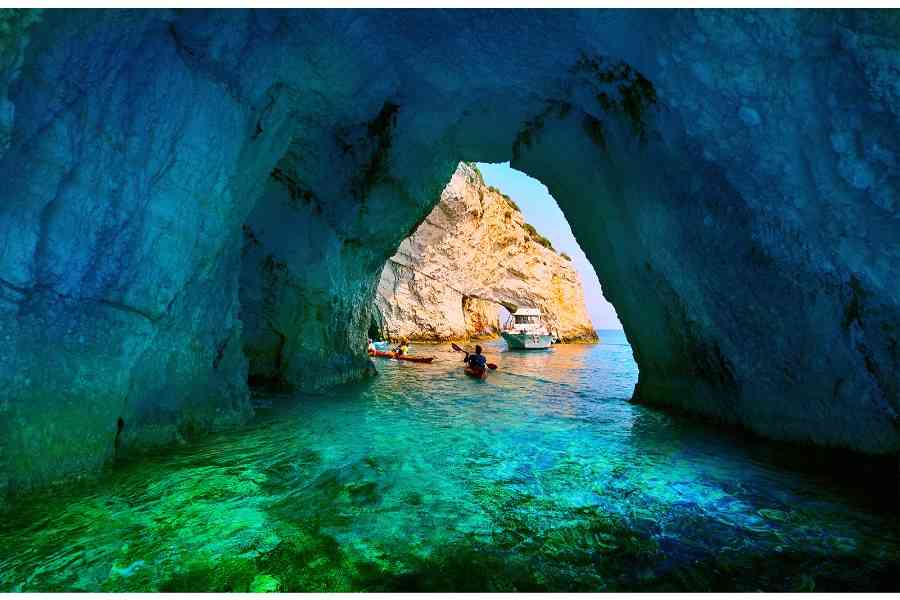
541 478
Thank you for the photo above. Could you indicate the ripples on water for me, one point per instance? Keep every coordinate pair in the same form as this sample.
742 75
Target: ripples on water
541 478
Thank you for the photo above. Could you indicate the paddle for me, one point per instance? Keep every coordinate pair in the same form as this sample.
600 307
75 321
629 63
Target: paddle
490 366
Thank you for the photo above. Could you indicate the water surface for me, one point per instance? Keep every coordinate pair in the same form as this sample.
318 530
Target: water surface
541 478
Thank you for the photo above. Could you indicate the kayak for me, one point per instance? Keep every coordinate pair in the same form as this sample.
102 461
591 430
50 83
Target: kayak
415 359
476 372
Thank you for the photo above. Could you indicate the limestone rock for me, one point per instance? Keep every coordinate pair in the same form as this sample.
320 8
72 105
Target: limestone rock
471 255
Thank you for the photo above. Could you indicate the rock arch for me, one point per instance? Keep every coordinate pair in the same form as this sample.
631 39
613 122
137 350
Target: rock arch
731 175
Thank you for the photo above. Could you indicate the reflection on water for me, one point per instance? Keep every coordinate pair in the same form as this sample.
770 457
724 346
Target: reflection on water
541 478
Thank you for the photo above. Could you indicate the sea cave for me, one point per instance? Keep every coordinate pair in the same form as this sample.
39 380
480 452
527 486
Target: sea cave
197 211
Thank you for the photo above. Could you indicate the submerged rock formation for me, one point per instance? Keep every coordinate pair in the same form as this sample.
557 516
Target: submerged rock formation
472 254
732 175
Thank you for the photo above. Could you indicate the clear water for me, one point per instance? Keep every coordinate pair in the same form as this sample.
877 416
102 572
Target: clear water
541 478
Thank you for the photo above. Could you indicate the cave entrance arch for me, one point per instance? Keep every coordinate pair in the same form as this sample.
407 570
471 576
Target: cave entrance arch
633 203
654 212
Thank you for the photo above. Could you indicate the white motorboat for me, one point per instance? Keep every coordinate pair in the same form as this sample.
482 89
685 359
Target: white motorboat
526 330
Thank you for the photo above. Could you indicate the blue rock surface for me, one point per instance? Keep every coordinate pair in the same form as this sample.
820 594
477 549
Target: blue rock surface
189 192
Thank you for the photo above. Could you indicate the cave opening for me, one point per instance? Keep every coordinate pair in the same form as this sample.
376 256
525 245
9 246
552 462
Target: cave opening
319 234
477 257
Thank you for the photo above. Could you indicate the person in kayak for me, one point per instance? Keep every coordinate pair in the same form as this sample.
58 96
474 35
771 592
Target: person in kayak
477 360
371 347
402 349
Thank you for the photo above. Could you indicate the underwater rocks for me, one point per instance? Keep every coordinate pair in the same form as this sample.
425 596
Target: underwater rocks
473 253
752 255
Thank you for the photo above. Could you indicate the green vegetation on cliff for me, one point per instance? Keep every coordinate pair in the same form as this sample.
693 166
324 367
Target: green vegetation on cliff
537 237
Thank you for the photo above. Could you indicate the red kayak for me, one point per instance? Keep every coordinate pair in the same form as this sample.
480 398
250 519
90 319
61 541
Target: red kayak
415 359
476 372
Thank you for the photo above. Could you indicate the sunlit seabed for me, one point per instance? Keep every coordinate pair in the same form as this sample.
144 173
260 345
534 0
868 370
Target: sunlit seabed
541 478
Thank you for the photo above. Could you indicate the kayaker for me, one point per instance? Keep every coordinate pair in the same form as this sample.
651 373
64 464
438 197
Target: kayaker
477 360
371 347
403 348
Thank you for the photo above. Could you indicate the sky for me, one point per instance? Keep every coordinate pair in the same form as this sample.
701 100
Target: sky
541 210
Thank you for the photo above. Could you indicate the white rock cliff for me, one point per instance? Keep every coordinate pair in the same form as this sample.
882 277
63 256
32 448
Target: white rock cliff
471 255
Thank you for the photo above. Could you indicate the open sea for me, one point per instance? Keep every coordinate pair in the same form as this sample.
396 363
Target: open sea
543 478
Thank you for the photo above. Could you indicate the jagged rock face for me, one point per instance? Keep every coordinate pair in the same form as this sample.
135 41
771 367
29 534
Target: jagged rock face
732 176
471 255
305 291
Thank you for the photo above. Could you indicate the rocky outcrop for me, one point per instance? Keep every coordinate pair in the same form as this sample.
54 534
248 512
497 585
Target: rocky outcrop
732 176
305 289
472 254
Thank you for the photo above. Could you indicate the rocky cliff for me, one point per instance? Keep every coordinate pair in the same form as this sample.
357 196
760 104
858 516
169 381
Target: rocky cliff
733 177
473 254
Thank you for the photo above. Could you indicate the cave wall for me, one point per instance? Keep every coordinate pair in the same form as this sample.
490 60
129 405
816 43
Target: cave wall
306 288
741 209
119 223
760 214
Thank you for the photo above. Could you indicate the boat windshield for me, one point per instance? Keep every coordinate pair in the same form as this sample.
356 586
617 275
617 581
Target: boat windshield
525 319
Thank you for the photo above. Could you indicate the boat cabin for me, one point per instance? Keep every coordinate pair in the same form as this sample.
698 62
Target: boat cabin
527 316
525 319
